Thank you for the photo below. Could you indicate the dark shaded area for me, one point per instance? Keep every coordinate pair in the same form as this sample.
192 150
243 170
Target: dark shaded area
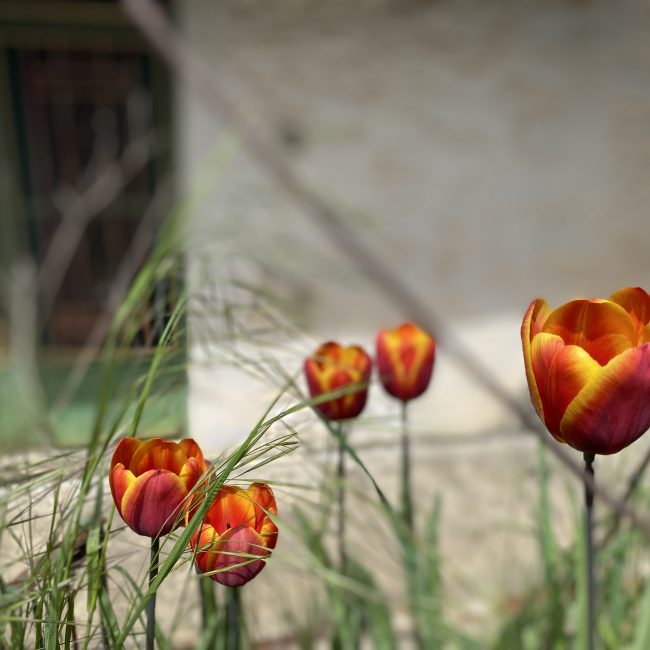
79 87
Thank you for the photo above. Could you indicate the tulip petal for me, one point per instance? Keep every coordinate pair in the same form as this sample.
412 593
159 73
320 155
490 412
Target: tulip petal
232 507
151 504
534 319
561 371
613 409
190 473
125 450
123 454
316 378
636 302
202 541
327 354
192 450
354 357
158 454
602 328
350 404
269 533
121 480
234 548
262 496
202 538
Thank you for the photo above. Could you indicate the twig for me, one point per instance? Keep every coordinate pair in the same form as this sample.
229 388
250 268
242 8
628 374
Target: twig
632 484
136 253
82 208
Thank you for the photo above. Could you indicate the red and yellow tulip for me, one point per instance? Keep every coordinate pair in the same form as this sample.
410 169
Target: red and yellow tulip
588 369
236 530
150 481
405 358
334 367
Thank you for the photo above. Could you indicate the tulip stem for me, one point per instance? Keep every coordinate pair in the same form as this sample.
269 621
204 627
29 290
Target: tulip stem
233 619
340 476
407 505
151 603
589 543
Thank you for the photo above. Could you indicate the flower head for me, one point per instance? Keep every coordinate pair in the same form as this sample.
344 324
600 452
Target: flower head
405 358
333 368
236 530
588 369
151 479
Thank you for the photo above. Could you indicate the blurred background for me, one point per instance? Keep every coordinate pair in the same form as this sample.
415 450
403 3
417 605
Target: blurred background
486 153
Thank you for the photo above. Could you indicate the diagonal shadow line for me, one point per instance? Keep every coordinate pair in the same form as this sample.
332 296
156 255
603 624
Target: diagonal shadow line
169 44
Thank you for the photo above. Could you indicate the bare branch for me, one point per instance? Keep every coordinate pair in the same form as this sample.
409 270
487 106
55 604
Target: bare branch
131 261
82 207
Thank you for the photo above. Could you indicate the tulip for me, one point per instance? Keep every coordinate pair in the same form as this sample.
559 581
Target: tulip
333 368
588 369
236 529
150 480
405 358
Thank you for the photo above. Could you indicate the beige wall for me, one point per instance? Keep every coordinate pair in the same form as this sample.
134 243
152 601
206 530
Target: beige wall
490 152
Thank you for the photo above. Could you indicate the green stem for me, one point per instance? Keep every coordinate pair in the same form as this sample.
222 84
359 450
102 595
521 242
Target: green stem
420 621
589 542
208 602
151 603
38 626
234 637
405 489
340 476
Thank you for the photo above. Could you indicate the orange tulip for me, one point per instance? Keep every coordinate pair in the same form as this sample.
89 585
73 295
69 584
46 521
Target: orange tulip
236 529
150 480
588 369
333 367
405 358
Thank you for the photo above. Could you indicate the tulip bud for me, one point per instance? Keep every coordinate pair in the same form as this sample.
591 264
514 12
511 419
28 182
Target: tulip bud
333 368
405 358
236 529
150 480
588 369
